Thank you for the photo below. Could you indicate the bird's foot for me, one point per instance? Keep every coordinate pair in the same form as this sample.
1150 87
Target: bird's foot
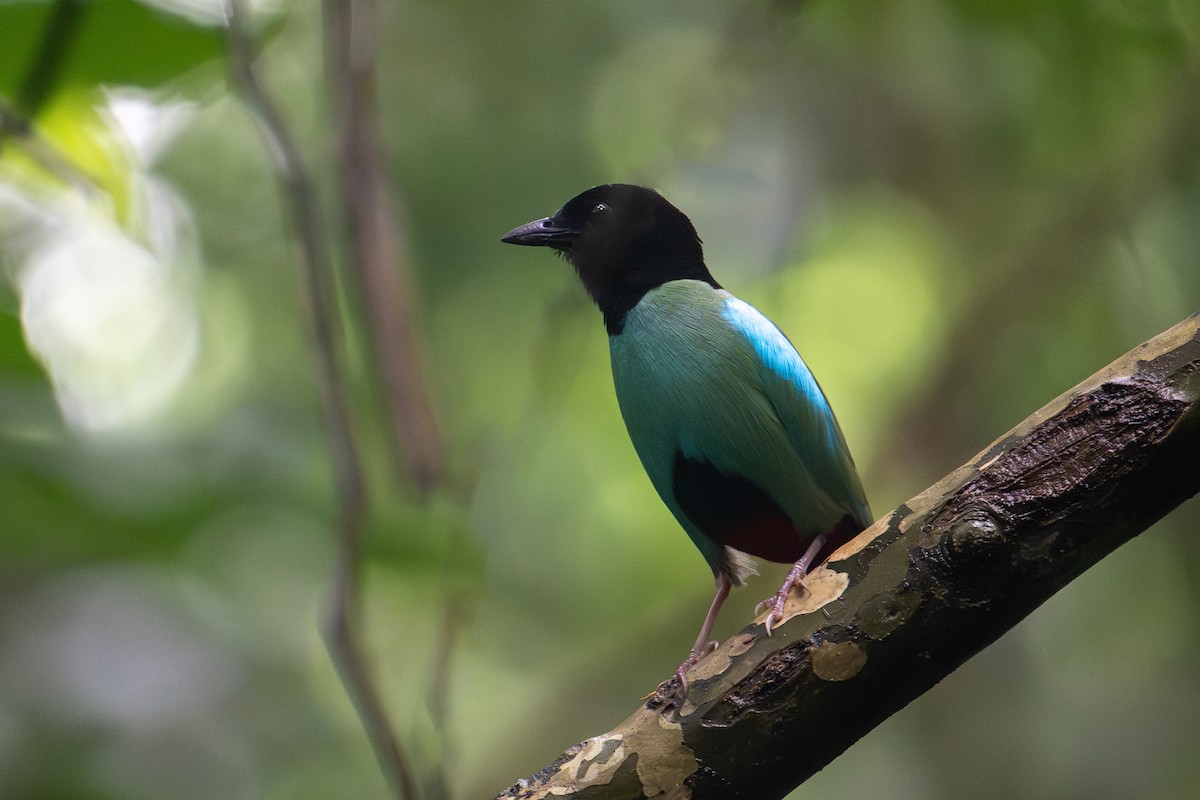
777 601
694 658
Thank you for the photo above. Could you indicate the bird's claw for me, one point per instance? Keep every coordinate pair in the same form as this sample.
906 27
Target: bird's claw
777 602
681 676
694 658
776 614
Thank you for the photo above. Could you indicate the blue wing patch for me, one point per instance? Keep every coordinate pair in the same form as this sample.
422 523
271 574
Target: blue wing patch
775 351
802 408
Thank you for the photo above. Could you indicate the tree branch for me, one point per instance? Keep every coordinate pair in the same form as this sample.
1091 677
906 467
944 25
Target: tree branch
58 39
916 594
302 212
381 262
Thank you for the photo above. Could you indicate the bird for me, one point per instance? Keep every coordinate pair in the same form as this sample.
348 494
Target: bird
728 421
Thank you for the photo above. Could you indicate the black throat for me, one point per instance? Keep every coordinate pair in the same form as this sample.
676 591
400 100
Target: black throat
617 298
618 268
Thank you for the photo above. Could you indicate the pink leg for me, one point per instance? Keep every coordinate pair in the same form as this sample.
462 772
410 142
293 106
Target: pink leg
703 646
795 577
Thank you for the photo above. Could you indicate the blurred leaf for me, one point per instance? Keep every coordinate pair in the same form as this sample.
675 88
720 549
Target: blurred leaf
78 130
116 42
15 359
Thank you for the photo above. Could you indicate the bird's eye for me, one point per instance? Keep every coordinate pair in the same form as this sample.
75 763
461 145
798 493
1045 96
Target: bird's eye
599 208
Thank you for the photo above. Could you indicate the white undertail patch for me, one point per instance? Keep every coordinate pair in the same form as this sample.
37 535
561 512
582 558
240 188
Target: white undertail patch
740 566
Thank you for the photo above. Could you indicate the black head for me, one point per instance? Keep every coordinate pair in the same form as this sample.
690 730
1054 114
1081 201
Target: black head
623 241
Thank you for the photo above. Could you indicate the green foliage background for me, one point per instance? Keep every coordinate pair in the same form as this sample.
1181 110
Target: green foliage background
956 210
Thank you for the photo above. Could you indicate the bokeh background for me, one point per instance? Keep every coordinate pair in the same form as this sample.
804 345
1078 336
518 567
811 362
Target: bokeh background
957 210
